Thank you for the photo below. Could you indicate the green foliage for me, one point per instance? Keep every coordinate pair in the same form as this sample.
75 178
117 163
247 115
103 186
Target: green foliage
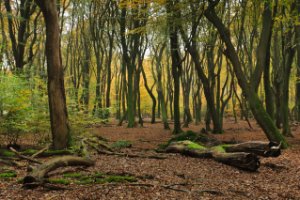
121 144
23 102
102 113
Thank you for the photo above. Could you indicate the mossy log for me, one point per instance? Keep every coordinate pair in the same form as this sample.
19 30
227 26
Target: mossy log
243 160
38 175
265 149
190 149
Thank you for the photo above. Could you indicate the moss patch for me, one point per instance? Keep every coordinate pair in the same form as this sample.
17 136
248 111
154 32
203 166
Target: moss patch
59 181
8 174
195 146
219 149
189 135
98 178
121 144
119 179
6 153
29 152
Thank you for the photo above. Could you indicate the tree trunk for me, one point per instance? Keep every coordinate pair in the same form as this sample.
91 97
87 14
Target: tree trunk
297 104
260 114
176 61
56 89
150 94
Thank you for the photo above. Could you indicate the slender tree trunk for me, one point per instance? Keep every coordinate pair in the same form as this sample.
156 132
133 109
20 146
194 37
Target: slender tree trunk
150 94
297 104
56 89
176 61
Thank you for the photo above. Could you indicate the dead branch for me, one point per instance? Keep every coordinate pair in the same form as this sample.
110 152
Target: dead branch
38 174
9 163
40 152
24 157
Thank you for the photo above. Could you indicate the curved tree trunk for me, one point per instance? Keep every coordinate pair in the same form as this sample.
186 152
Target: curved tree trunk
260 114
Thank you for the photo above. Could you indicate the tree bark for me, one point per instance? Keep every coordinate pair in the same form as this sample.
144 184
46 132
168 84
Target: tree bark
56 88
176 61
37 176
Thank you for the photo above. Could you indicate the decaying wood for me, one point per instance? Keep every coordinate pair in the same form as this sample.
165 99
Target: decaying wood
99 143
241 160
24 157
265 149
40 152
39 174
102 150
243 156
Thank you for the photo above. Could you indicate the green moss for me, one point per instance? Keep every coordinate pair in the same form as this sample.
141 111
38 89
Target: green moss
85 180
162 147
219 149
72 175
20 180
57 152
189 135
9 174
6 153
121 144
59 181
29 152
98 175
196 146
116 179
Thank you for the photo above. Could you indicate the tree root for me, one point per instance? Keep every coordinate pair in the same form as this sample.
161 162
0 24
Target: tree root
38 175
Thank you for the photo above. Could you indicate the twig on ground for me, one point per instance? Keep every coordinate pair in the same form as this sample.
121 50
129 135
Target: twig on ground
24 157
40 152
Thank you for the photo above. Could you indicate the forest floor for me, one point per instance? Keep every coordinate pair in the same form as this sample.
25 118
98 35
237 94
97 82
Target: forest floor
177 177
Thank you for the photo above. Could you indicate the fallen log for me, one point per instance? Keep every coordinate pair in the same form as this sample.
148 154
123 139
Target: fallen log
100 150
265 149
38 175
241 160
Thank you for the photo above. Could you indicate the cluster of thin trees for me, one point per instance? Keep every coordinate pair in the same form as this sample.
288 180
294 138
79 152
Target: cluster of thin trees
245 53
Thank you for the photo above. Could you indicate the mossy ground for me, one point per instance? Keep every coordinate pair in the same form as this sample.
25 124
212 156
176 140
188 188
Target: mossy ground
121 144
96 178
6 153
8 174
